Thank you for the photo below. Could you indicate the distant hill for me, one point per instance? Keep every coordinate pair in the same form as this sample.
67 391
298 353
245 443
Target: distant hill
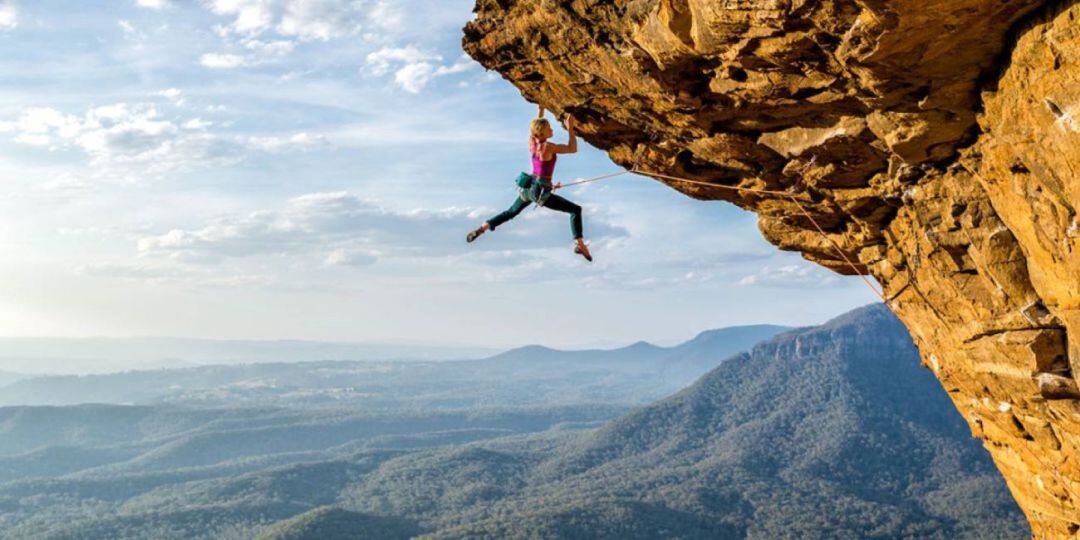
827 432
538 357
81 356
699 355
532 375
7 377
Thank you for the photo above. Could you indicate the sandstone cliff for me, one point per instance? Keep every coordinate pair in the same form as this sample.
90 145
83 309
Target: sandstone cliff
937 140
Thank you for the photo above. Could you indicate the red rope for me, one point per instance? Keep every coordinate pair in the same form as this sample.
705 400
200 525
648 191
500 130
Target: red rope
586 181
838 250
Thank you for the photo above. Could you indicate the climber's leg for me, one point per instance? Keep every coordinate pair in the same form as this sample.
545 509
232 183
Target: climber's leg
499 219
560 204
508 214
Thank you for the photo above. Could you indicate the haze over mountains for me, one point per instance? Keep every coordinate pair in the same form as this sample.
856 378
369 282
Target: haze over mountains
98 355
44 356
527 376
7 377
827 432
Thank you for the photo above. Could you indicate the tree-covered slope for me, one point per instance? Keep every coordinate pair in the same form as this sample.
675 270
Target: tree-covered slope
829 432
329 523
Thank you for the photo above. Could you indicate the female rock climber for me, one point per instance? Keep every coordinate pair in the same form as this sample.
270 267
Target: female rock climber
537 187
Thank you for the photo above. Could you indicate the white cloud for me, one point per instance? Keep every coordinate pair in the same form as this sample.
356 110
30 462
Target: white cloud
463 64
42 120
626 280
135 34
9 15
415 68
222 61
387 16
259 53
169 93
128 271
297 142
130 138
248 39
121 131
381 61
414 77
792 275
172 94
33 139
152 4
307 20
157 274
340 228
350 257
197 123
266 49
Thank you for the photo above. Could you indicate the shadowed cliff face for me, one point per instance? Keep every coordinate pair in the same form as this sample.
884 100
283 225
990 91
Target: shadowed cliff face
939 143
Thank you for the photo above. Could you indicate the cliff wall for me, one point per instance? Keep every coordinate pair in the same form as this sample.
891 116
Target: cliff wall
936 141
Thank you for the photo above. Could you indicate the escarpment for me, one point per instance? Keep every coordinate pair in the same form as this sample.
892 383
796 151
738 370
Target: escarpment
936 141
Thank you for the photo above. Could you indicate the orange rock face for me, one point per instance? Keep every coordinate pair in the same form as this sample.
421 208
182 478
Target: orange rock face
936 141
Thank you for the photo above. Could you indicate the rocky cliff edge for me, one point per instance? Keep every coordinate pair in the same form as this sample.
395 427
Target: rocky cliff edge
936 141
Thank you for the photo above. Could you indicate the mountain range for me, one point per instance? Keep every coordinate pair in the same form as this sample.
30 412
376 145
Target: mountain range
532 375
834 431
97 355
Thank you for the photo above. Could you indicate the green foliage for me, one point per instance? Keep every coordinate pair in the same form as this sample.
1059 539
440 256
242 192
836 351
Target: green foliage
328 523
827 432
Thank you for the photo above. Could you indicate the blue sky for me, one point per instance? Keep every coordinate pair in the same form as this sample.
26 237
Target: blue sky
308 169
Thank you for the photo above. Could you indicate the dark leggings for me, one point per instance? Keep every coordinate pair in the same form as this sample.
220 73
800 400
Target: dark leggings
553 202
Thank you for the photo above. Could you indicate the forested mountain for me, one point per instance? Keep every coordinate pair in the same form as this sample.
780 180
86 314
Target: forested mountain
528 376
328 523
828 432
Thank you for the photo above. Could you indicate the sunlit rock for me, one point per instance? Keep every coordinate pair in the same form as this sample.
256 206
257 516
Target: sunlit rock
938 144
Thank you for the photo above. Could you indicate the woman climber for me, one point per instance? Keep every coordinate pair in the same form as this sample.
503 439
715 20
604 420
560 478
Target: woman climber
537 187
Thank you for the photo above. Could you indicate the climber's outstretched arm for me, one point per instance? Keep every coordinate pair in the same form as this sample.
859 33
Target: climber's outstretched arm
568 148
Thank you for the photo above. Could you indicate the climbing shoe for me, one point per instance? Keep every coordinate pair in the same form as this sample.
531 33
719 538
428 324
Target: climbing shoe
583 250
474 235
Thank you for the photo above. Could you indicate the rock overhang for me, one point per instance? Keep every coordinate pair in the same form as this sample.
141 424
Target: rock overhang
912 129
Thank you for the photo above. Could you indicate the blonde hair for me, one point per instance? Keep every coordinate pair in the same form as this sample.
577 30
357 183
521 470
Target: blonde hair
538 127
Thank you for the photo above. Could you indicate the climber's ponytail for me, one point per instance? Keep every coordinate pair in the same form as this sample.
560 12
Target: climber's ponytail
537 129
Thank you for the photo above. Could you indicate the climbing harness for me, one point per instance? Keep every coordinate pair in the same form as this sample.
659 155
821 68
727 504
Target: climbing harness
785 194
533 189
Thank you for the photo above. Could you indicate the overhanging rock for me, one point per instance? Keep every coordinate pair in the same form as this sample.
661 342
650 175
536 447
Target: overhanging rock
939 141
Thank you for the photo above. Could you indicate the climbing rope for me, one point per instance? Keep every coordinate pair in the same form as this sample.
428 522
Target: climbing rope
597 179
784 194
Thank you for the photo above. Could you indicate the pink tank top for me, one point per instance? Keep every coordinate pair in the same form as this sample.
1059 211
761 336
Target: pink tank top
541 168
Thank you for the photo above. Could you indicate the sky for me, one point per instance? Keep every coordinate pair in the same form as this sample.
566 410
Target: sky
308 169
